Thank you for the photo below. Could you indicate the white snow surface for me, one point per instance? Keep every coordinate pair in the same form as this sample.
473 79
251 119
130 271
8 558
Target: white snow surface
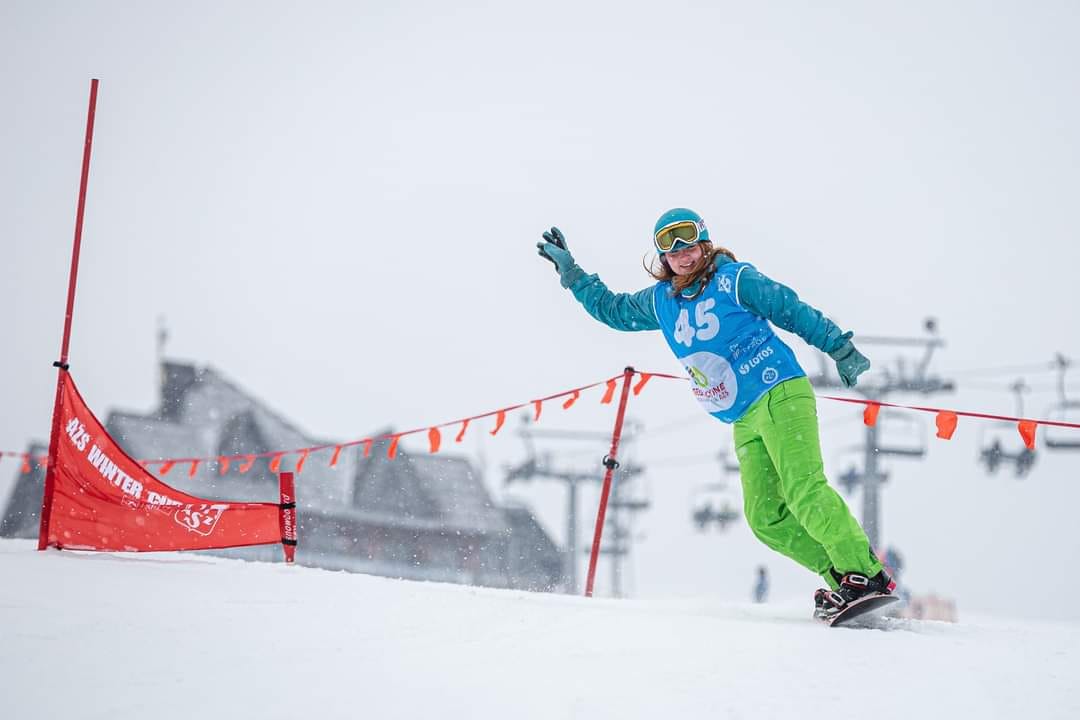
86 635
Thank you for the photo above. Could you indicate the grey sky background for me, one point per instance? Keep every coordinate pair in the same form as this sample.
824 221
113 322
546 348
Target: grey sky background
335 204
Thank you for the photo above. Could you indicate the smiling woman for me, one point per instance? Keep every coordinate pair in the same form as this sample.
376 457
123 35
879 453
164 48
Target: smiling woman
715 314
685 253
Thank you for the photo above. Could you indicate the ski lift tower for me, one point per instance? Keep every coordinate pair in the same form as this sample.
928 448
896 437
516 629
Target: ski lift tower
622 510
915 378
540 467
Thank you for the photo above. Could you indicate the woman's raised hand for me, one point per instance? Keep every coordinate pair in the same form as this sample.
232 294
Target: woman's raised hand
553 248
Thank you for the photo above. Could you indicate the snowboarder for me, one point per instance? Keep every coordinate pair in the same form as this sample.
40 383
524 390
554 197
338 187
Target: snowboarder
715 314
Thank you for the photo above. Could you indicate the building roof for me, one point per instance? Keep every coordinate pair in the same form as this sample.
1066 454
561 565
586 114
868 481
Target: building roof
204 415
426 488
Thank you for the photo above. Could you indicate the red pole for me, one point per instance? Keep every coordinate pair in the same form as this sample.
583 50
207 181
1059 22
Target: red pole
62 364
610 463
287 515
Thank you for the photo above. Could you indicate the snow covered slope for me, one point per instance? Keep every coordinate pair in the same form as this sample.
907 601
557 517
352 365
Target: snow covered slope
187 636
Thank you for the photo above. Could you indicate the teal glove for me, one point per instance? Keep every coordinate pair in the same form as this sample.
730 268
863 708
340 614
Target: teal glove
850 363
553 248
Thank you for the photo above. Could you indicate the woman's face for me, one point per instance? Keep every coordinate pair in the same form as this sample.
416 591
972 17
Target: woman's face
682 261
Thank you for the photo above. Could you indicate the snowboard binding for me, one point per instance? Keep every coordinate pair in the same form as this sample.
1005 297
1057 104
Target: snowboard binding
856 595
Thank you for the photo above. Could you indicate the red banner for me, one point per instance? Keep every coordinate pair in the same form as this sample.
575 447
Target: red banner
102 499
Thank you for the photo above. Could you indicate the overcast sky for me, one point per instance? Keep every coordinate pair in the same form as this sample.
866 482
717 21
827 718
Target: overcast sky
335 205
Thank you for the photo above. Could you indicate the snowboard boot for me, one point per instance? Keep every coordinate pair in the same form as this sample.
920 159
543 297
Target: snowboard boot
853 586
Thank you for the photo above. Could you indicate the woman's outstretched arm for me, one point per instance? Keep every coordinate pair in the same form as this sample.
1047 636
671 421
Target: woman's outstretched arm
622 311
781 306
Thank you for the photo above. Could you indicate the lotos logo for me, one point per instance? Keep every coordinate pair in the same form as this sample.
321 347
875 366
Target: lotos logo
200 519
724 283
755 361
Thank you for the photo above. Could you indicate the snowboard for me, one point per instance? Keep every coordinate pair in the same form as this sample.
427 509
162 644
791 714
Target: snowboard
865 607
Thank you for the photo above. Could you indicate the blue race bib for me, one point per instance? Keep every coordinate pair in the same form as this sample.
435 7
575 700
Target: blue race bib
733 356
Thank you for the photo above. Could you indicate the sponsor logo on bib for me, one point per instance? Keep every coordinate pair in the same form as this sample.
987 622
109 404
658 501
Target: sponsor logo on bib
715 384
753 362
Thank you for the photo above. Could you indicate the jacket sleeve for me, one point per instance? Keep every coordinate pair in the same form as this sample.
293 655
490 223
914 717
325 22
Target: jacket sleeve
622 311
782 307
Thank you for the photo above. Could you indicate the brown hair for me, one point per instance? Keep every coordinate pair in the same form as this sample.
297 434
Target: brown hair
703 270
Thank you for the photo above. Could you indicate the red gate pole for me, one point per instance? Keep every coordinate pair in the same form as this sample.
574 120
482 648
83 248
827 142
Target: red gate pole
62 364
610 463
287 515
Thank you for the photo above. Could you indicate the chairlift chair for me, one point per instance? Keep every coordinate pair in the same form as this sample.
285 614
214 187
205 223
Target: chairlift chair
1062 438
995 441
915 439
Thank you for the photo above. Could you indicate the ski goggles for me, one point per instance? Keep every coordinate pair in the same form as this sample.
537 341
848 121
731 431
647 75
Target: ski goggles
687 232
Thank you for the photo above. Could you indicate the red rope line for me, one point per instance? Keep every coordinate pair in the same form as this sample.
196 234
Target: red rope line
168 463
961 413
572 395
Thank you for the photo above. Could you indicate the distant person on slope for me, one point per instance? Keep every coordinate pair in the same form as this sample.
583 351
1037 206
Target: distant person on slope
761 585
714 313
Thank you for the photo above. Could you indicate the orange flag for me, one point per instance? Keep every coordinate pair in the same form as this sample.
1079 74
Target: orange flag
461 433
609 393
499 420
1027 431
869 416
946 424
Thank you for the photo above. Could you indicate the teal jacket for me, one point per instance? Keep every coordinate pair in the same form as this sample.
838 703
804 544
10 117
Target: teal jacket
757 293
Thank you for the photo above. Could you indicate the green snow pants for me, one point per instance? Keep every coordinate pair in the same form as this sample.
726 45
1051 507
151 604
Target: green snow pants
789 505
